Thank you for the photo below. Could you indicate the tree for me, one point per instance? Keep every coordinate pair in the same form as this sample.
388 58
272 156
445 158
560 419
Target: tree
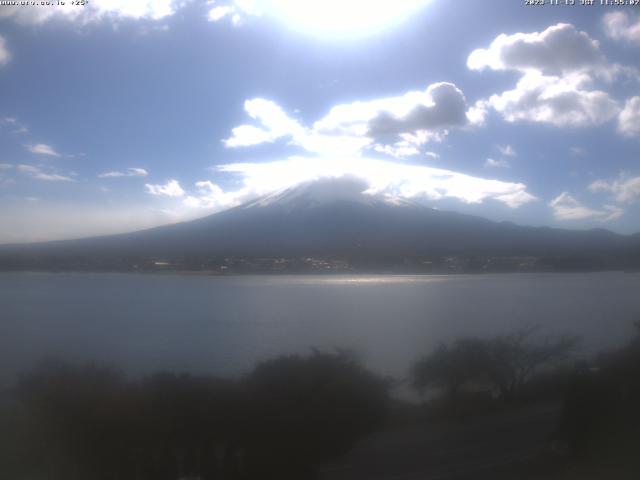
512 359
306 410
79 413
505 363
92 423
600 419
450 368
288 415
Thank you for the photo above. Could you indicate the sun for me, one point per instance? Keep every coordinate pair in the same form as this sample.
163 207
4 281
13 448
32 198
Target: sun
341 18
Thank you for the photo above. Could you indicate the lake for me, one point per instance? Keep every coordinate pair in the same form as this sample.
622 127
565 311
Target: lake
224 325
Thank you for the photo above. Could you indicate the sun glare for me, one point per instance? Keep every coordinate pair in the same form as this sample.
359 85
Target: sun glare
342 18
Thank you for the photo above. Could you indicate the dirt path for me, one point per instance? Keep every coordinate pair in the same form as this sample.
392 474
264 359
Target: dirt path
492 447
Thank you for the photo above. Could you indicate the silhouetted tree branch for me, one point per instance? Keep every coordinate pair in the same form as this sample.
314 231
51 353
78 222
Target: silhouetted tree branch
505 363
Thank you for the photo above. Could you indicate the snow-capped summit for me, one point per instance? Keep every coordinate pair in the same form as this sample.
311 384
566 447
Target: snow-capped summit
320 192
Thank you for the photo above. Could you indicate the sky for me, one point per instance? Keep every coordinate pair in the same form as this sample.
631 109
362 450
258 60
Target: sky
119 115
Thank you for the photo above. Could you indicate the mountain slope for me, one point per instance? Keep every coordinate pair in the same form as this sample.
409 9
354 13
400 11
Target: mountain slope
332 219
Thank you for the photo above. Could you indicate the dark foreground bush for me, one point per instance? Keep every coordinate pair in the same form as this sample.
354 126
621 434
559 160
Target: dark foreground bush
600 425
281 421
306 410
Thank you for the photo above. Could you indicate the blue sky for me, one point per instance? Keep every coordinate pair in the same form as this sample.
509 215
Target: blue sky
122 115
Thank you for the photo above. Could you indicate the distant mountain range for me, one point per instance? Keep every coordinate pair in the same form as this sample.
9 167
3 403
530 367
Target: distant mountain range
336 220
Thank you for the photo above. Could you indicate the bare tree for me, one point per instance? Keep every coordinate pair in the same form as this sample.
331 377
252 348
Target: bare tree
450 367
512 359
506 363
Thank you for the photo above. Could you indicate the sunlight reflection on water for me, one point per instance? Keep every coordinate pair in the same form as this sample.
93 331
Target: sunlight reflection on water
381 280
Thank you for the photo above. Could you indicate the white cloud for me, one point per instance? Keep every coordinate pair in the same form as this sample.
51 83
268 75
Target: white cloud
237 10
577 151
170 189
248 135
218 13
130 172
493 163
5 166
274 121
397 126
477 113
601 186
392 179
401 149
12 122
440 106
433 155
38 174
566 207
506 150
620 26
27 169
94 10
5 56
516 199
624 190
52 177
428 113
558 49
211 196
629 119
42 149
136 9
559 68
561 101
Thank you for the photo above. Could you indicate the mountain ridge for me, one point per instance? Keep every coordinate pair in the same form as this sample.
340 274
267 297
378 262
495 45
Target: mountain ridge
338 219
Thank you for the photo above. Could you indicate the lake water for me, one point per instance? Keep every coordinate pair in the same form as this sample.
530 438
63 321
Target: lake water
223 325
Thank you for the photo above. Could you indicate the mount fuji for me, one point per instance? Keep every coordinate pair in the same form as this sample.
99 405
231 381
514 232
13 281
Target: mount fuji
337 218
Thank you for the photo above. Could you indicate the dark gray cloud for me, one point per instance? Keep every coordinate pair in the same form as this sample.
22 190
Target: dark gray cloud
448 108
